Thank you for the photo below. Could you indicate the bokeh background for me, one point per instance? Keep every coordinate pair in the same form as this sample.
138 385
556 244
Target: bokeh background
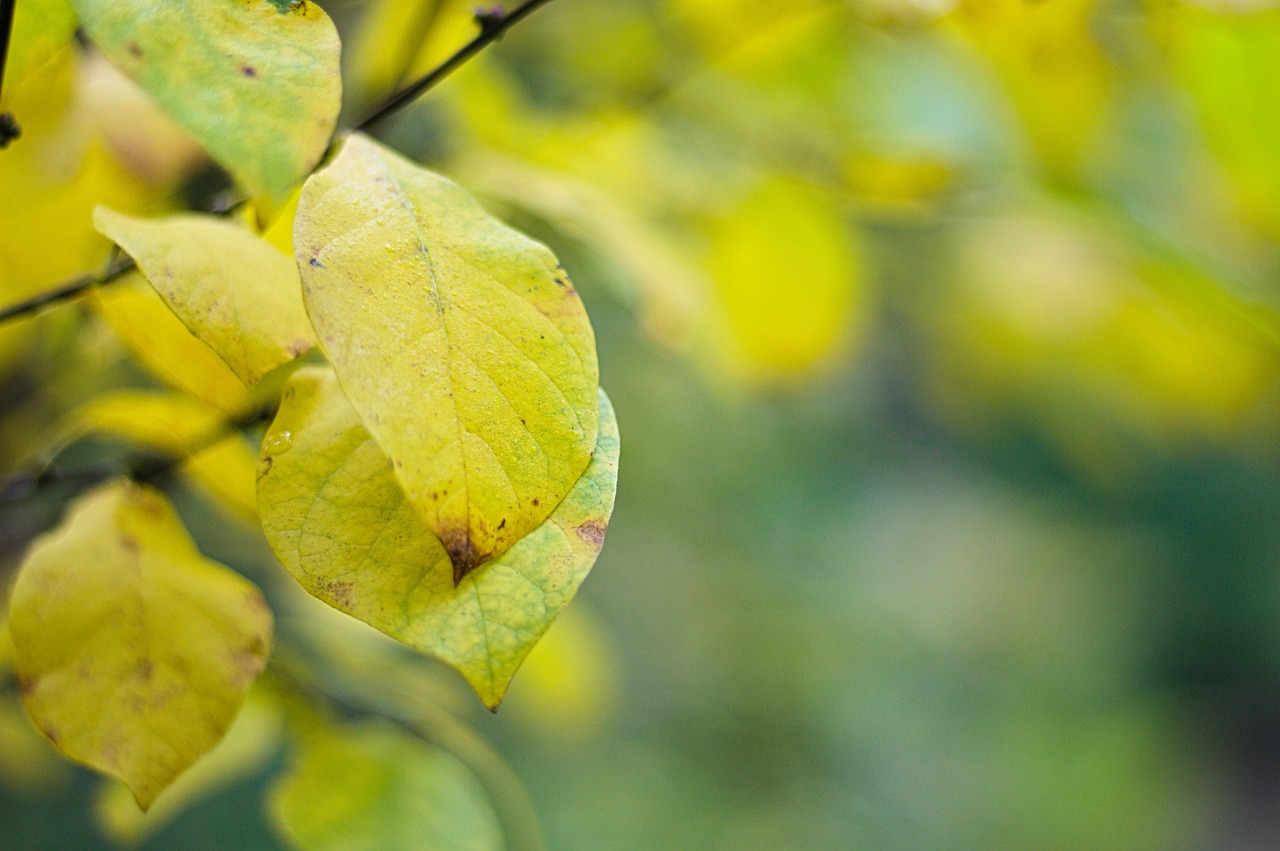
944 337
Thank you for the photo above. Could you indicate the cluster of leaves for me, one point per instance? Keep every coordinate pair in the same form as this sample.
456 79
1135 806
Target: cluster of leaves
440 464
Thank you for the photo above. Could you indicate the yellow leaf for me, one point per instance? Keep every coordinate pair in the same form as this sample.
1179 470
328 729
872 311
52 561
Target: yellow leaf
159 340
40 29
257 83
787 273
133 651
373 786
340 523
460 341
248 744
174 424
229 286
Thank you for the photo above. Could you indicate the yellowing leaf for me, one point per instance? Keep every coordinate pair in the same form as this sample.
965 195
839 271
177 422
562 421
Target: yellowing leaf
133 651
159 340
250 741
340 523
40 29
228 285
174 424
460 342
257 83
787 274
375 787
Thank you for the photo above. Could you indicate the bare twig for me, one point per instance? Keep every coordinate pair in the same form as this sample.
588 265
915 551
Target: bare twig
71 289
493 23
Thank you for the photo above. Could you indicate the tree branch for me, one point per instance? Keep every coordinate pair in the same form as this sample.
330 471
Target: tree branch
71 289
144 467
493 23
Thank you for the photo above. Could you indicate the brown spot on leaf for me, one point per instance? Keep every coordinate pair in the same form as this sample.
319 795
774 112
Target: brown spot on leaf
130 543
463 554
134 50
248 70
146 670
536 502
503 524
339 592
593 532
26 686
299 347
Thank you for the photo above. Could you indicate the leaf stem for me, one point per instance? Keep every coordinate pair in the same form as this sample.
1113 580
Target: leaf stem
493 23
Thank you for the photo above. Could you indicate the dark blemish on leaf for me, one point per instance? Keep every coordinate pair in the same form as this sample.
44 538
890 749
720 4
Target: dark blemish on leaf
339 592
503 523
593 532
248 71
264 466
134 50
26 686
146 670
535 502
316 264
130 543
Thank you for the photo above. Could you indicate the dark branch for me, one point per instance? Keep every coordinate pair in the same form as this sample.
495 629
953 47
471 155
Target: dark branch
71 289
144 467
493 23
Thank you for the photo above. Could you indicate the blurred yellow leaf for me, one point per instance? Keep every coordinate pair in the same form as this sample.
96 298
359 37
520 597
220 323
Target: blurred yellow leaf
40 29
1228 59
339 522
134 652
788 281
1052 67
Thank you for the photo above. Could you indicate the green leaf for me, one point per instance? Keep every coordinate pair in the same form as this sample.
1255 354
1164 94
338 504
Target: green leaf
340 523
460 341
256 83
133 652
375 787
229 286
40 28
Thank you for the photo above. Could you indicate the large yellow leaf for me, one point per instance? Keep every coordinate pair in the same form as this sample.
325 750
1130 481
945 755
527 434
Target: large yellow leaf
158 339
231 287
175 424
133 651
340 523
257 82
373 786
460 342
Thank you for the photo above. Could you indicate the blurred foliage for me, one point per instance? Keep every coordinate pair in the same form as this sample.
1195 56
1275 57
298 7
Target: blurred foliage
944 338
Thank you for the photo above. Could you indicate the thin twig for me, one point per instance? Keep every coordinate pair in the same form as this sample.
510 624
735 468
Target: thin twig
71 289
144 467
493 23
